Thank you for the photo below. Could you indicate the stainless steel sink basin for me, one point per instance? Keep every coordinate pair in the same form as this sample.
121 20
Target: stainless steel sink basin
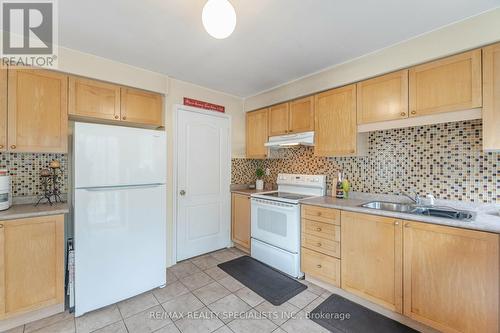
392 206
445 212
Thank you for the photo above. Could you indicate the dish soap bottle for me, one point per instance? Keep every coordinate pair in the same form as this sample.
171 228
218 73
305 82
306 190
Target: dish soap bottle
339 190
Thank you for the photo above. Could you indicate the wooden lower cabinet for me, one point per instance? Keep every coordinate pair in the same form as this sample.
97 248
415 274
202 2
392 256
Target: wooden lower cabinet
240 220
451 278
31 264
372 258
320 266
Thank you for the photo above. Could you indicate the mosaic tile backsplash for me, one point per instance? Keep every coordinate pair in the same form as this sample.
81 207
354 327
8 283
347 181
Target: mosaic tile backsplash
25 169
445 160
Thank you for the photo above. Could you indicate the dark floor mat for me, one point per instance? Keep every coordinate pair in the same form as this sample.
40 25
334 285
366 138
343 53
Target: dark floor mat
333 315
274 286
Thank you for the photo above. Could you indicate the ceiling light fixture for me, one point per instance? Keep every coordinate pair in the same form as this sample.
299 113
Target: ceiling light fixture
219 18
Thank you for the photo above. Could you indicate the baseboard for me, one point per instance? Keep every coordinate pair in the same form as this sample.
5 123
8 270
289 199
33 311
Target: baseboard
31 316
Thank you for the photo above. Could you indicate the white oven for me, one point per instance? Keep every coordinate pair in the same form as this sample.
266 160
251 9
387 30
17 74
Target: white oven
276 223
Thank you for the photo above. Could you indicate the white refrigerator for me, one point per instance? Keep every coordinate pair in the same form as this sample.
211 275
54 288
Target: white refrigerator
119 213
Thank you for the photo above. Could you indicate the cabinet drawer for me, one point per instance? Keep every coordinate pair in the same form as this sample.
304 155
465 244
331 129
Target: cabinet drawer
320 214
320 229
321 266
326 246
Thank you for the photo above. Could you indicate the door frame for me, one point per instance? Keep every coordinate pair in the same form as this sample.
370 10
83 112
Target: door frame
177 109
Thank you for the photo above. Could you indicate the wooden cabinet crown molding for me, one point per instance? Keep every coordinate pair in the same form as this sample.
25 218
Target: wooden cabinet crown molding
37 111
491 98
383 98
449 84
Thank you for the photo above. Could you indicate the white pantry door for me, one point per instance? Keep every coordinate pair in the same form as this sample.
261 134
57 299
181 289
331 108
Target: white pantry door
203 180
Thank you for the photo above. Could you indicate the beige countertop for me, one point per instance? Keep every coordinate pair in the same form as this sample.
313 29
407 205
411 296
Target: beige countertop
29 210
487 215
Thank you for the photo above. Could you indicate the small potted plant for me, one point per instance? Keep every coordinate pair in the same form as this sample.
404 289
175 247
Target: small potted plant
259 184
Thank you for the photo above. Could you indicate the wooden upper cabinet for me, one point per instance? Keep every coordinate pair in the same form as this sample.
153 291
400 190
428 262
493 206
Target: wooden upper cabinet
491 98
372 251
450 84
141 107
256 133
383 98
31 264
301 115
3 108
90 98
37 111
335 122
240 224
278 119
451 278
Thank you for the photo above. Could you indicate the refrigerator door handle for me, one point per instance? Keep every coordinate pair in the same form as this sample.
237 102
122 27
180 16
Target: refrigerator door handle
119 187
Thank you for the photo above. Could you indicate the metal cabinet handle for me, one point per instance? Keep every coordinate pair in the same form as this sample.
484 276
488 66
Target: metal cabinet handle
407 225
414 112
13 147
1 226
318 266
124 118
396 223
403 114
318 229
116 117
318 244
319 214
182 192
1 146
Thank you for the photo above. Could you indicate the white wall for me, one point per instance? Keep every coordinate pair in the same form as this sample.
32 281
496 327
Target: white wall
468 34
75 62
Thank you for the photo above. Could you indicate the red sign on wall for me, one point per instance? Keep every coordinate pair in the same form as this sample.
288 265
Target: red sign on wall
204 105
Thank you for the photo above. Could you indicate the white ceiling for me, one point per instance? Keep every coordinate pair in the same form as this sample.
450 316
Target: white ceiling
275 41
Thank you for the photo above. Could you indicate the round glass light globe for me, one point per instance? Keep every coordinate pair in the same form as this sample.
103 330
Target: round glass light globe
219 18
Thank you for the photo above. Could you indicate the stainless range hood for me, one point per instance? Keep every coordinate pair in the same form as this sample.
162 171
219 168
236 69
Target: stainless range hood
283 141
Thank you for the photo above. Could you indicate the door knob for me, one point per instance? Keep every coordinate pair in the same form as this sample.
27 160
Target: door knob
182 192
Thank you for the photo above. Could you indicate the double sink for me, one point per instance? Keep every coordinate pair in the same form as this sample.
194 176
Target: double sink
436 211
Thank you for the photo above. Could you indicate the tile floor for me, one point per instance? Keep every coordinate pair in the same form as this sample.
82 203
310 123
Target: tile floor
199 297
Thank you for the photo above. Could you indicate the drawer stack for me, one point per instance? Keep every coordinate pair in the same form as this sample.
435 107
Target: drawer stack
320 256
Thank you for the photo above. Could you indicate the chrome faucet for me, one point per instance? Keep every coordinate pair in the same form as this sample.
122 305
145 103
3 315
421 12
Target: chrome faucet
416 198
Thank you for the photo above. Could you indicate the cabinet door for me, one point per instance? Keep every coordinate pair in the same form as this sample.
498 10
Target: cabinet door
37 111
141 107
451 278
3 108
256 136
278 119
449 84
301 115
33 264
383 98
335 122
241 220
371 250
89 98
491 95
